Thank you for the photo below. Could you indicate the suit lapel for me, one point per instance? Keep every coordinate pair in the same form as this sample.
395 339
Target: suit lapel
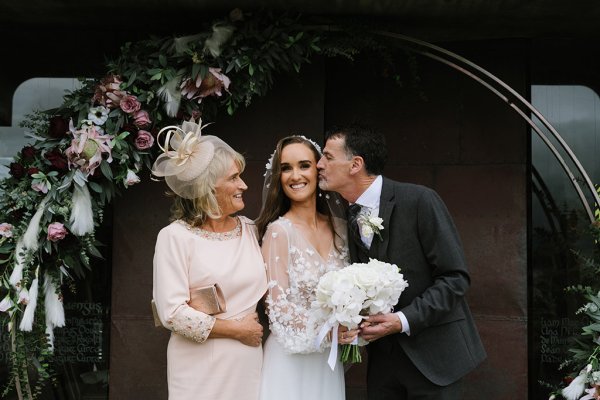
386 207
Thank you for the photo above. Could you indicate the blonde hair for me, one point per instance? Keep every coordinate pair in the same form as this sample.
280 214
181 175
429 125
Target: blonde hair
204 205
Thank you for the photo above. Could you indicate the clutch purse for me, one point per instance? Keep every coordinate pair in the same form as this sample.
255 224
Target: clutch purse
207 299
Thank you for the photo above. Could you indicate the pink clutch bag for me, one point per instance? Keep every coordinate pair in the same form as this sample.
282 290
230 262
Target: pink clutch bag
207 299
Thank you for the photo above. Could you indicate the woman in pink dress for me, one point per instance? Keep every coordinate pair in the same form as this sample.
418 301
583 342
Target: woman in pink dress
209 356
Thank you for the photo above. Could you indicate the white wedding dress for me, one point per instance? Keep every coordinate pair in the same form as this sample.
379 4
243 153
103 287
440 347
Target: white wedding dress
294 367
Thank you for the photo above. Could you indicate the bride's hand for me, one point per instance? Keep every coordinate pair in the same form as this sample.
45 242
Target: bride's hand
347 336
250 330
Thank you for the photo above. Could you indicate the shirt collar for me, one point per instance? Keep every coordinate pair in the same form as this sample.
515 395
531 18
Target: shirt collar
370 197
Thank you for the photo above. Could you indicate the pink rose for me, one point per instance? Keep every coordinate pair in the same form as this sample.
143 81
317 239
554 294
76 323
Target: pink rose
6 229
144 140
56 231
130 104
142 119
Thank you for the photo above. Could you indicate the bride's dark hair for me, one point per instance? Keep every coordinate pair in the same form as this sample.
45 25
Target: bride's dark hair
275 202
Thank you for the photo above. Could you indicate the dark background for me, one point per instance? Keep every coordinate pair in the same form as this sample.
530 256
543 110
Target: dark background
447 133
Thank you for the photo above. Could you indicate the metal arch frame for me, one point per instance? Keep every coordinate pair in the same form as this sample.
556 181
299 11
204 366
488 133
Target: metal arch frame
514 100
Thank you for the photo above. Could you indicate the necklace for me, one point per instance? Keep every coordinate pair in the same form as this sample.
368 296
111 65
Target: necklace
210 235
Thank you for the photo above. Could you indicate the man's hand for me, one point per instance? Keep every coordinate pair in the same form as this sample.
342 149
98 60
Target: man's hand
380 325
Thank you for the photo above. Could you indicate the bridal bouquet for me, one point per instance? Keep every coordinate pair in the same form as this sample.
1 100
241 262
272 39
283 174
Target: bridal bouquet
345 296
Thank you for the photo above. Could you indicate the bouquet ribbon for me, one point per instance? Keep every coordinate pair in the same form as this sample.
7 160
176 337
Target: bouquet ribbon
334 341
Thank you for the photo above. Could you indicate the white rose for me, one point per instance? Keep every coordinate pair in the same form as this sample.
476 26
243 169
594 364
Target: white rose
325 286
366 278
376 222
366 230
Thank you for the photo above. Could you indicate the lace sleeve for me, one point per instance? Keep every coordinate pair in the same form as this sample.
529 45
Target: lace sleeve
171 290
288 317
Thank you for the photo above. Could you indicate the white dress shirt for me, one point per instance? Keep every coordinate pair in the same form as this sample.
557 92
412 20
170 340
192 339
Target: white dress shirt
369 201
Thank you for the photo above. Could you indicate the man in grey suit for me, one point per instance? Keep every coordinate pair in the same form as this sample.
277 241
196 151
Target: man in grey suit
423 348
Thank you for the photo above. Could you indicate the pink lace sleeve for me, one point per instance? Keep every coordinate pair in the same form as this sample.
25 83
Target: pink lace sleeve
171 289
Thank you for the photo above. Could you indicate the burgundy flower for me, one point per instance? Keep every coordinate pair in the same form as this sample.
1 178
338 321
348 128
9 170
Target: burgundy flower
131 128
17 170
57 159
28 153
32 170
196 114
58 128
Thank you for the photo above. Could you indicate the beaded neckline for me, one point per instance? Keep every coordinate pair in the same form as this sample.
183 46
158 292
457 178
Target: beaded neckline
232 234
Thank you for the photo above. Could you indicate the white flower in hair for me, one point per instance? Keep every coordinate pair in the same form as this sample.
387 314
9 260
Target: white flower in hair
269 164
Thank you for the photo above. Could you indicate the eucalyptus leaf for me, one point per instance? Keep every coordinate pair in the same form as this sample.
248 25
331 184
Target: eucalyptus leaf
162 60
132 79
105 168
95 187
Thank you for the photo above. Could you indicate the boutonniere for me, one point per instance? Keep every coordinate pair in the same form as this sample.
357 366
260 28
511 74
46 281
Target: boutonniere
370 224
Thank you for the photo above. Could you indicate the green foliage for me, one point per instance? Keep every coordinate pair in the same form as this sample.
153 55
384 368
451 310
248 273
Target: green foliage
584 353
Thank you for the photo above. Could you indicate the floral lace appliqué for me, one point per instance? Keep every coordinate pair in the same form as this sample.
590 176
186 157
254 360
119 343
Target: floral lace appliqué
293 286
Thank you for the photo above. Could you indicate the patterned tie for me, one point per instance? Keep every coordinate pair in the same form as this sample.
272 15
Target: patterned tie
353 212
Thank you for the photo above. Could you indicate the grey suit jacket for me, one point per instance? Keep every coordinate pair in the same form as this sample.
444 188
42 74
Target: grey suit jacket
420 237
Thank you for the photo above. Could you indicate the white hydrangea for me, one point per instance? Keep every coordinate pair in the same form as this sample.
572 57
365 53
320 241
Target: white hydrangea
345 296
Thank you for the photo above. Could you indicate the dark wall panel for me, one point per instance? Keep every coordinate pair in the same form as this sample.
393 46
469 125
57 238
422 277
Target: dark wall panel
456 137
447 133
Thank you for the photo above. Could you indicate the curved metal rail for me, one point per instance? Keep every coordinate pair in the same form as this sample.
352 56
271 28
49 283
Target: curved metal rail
514 100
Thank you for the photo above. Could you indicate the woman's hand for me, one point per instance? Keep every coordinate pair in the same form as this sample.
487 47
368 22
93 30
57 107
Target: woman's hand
250 331
346 336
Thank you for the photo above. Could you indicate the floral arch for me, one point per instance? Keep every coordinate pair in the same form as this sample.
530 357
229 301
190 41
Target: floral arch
93 146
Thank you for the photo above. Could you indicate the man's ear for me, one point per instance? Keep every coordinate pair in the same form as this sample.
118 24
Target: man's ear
357 165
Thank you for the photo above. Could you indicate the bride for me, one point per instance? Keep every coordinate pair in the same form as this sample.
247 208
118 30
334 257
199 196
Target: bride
301 241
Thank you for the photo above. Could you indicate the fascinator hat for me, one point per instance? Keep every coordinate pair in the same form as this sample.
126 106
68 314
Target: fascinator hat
186 156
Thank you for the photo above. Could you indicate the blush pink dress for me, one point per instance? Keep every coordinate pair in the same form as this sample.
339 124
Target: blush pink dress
199 367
